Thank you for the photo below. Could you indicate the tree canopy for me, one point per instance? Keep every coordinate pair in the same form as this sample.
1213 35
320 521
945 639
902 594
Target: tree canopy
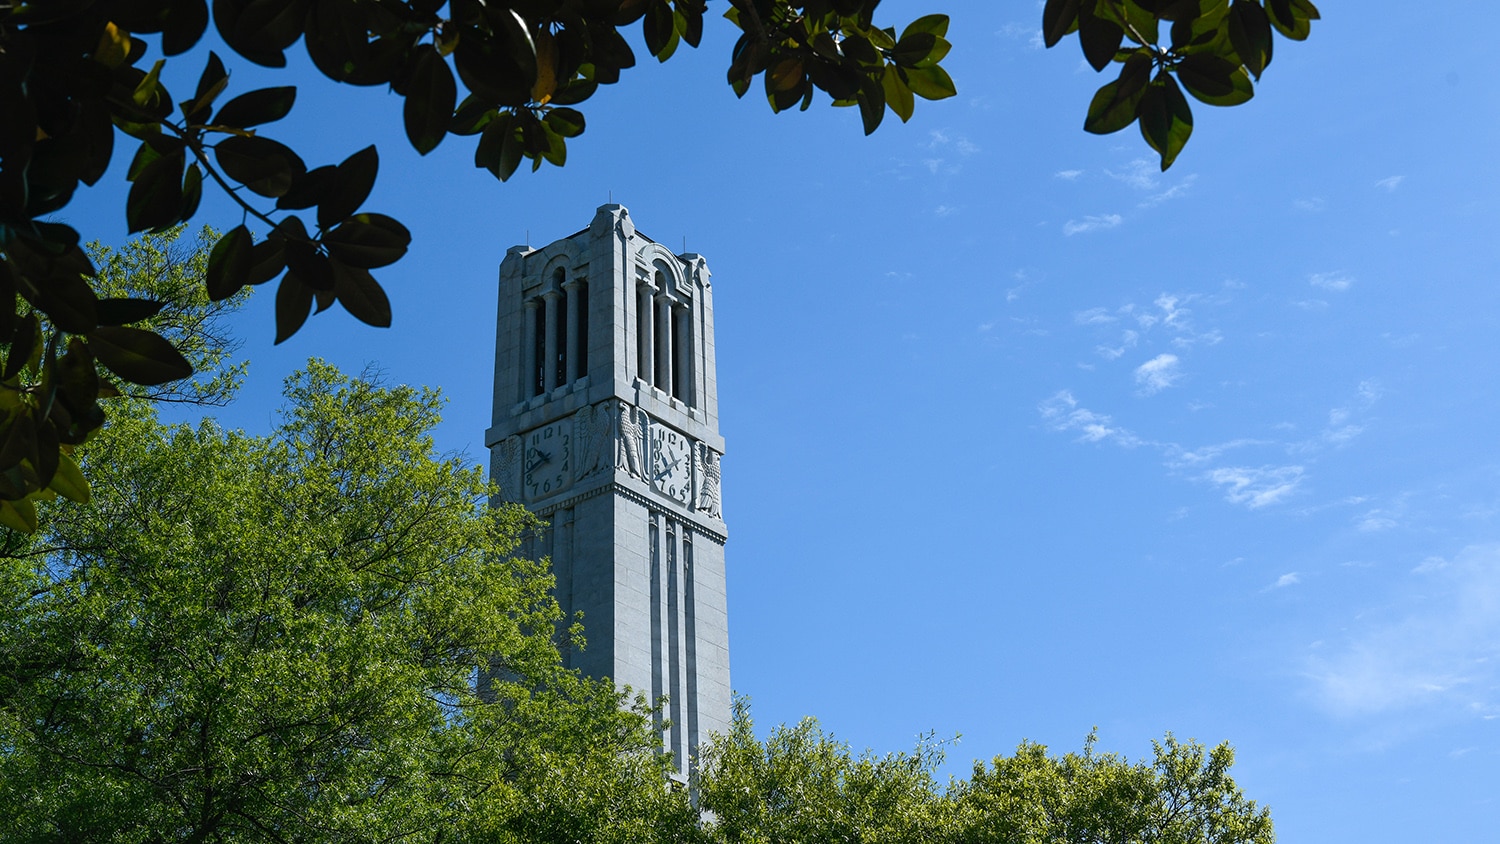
803 785
76 79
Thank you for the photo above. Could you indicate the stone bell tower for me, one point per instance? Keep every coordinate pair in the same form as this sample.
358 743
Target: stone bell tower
606 424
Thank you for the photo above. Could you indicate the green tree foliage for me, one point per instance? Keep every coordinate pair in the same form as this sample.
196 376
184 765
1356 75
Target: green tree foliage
75 79
802 785
278 638
1211 48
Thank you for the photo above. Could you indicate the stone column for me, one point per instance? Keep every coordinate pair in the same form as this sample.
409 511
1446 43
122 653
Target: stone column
549 362
528 350
643 319
571 349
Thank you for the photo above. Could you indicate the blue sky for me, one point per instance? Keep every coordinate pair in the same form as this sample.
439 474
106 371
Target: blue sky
1026 436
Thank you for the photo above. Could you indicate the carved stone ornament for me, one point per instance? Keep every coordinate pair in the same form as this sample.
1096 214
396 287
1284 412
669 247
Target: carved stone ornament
508 467
708 483
630 445
593 430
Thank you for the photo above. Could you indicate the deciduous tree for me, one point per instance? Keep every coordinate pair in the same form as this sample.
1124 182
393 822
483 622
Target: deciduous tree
278 638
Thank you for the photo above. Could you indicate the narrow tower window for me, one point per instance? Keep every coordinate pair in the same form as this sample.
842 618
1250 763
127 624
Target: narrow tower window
581 354
539 350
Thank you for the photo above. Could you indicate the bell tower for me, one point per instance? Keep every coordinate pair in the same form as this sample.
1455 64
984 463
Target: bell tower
606 424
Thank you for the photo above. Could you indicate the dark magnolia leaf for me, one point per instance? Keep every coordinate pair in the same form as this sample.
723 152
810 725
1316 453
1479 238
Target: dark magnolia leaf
192 192
63 296
183 26
149 96
861 50
1292 18
138 356
1100 38
260 164
841 80
565 121
660 30
361 295
349 187
24 345
127 310
556 151
575 92
307 189
8 315
18 451
472 115
323 299
430 97
253 108
368 241
897 94
930 83
871 104
261 30
629 12
294 302
267 260
491 143
76 412
153 147
311 267
211 83
46 451
1250 33
1166 120
1114 105
785 75
229 264
690 23
546 66
935 24
19 514
155 197
337 37
69 481
914 49
96 139
1215 80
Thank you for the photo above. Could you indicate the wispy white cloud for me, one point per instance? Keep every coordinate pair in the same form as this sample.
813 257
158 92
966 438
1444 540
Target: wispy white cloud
1390 183
1174 192
1256 487
1335 281
1018 31
1311 203
1140 174
1062 413
1291 578
1092 223
1093 316
1157 374
1435 645
1068 175
1181 458
944 210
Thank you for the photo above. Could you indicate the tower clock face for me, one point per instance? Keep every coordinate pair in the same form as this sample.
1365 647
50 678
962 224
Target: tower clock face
671 464
547 462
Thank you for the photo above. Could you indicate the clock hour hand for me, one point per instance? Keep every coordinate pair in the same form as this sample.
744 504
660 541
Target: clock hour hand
667 471
542 457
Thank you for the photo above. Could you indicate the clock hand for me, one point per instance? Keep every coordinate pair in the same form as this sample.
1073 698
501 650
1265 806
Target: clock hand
542 457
